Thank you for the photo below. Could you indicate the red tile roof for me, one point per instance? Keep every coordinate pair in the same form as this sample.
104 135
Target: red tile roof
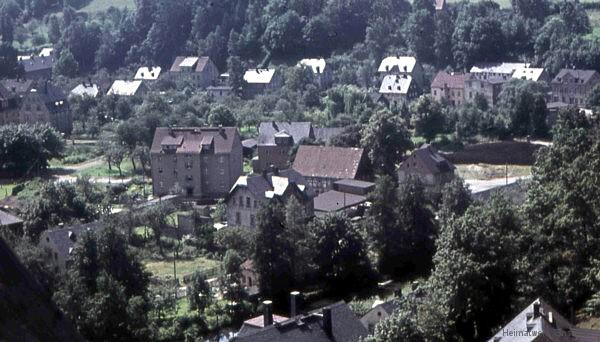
328 161
446 80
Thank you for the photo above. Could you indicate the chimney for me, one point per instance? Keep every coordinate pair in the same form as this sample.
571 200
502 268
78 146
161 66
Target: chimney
536 310
327 325
294 295
267 313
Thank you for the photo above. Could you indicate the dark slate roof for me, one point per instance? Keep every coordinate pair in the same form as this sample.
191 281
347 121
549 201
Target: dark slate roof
332 200
433 162
298 130
325 134
258 184
328 161
190 139
346 327
584 75
356 183
557 330
36 63
18 87
61 238
7 219
28 312
51 93
446 80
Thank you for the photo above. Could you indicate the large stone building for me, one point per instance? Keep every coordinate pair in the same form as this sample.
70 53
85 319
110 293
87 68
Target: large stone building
429 167
201 162
200 71
324 165
487 80
250 193
449 88
37 67
404 66
30 102
573 86
275 141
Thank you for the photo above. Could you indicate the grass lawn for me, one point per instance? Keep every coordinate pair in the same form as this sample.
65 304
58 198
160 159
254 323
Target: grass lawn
103 171
102 5
488 171
248 131
164 268
6 189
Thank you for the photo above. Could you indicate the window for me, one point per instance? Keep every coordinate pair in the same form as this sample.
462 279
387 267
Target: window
241 201
247 202
221 172
175 159
238 217
233 200
160 170
252 220
221 159
255 204
189 178
435 92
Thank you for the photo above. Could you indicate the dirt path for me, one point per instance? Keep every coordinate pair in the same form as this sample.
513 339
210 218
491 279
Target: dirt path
82 166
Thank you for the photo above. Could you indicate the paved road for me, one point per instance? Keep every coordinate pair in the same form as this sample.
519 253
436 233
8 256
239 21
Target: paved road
478 185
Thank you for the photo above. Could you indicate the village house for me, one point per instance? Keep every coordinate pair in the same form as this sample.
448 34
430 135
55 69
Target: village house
324 165
404 66
502 70
540 322
200 162
250 193
200 71
348 196
449 88
249 277
275 141
37 67
379 311
488 88
34 102
219 92
573 86
335 322
86 89
61 242
320 70
258 81
127 88
429 167
398 89
147 74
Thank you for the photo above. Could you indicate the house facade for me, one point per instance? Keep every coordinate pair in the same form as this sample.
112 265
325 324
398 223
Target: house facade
30 102
573 86
200 162
449 88
250 193
490 88
322 166
429 167
200 71
276 140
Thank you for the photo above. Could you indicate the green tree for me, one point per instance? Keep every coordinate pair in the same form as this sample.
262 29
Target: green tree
428 119
66 65
593 99
9 67
199 294
386 139
283 34
523 105
221 116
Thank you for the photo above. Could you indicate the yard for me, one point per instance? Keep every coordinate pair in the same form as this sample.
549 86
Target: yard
164 268
102 170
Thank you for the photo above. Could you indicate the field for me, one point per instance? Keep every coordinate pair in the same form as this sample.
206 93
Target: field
163 269
102 5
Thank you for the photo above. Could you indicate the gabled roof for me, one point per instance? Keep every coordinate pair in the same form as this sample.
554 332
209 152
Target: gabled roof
273 184
124 88
18 87
190 139
345 326
146 73
395 84
440 4
328 161
189 62
531 74
431 160
46 52
259 76
298 131
36 63
86 89
317 65
584 76
398 64
66 238
540 322
7 219
49 93
446 80
497 68
325 134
